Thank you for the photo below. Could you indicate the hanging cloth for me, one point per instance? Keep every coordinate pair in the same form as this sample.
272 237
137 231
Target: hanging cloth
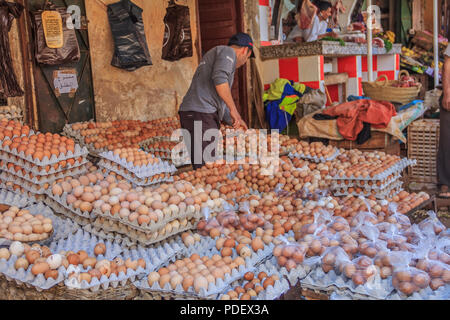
177 42
9 87
305 17
130 44
68 53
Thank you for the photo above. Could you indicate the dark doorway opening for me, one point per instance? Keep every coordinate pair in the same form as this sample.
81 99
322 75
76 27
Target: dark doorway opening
218 21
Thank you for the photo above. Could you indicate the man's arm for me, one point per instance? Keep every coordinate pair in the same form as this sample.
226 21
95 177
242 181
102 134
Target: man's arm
224 91
446 84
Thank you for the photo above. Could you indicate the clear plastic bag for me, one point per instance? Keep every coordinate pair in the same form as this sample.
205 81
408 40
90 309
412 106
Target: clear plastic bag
428 259
432 223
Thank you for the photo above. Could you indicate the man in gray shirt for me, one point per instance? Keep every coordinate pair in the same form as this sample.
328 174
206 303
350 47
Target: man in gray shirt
209 100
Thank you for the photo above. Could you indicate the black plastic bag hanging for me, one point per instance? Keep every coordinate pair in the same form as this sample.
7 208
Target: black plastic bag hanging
68 53
177 42
130 44
9 87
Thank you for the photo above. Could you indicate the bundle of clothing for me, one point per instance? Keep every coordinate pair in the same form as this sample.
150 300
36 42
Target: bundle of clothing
284 99
355 118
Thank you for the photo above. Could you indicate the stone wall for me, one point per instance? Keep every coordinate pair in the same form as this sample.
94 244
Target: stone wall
150 92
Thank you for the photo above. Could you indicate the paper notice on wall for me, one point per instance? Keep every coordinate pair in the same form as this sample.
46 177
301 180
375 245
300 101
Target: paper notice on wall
65 81
53 29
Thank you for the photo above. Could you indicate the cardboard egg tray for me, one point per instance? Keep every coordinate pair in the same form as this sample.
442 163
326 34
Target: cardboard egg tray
143 238
214 289
9 186
111 236
87 242
376 289
389 192
364 184
62 200
294 275
25 276
83 240
62 227
67 212
105 282
14 199
443 293
25 184
136 181
49 178
11 112
395 169
294 154
39 170
271 293
189 213
140 172
78 153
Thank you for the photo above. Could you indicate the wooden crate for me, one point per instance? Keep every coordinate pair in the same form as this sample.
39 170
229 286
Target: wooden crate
380 141
423 145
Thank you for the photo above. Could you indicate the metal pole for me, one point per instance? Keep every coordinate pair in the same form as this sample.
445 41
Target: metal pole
436 43
369 41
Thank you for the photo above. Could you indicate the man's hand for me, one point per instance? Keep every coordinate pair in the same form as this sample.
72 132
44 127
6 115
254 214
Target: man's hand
224 91
446 102
238 122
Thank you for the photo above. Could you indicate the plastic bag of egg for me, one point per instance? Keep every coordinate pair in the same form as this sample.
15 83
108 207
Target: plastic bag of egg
21 225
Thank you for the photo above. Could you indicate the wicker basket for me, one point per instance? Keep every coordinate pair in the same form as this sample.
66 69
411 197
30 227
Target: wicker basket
384 91
423 144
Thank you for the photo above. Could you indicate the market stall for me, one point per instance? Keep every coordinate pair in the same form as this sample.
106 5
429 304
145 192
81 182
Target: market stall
305 63
111 209
225 231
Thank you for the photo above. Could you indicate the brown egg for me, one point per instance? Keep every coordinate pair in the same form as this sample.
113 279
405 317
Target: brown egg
32 256
39 268
188 282
82 255
268 282
100 249
249 276
21 263
257 244
73 259
89 262
51 274
226 252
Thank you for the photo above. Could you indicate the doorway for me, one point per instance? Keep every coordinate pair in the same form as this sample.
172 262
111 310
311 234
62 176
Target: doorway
219 20
54 110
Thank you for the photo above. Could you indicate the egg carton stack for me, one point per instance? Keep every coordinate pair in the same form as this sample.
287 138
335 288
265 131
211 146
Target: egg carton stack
165 152
34 176
172 222
60 205
316 159
11 113
205 290
383 185
14 199
271 292
87 242
144 175
13 272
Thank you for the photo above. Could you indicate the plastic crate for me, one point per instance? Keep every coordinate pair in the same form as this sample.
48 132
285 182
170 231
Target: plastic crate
423 145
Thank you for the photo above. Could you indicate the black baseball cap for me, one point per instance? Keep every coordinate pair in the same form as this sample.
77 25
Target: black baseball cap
242 40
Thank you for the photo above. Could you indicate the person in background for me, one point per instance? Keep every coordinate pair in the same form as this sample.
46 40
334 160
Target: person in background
318 28
443 161
209 95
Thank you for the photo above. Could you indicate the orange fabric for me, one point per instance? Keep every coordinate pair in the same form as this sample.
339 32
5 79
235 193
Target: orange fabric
351 116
